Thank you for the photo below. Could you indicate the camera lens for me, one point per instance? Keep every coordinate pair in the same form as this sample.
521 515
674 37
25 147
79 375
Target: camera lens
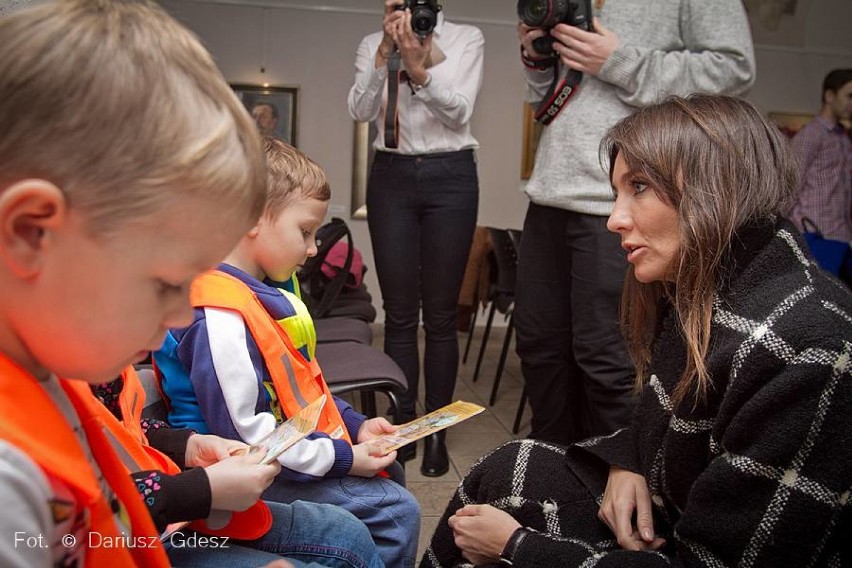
542 14
423 20
532 12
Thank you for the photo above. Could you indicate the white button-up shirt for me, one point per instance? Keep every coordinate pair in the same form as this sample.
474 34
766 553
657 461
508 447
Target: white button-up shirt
437 117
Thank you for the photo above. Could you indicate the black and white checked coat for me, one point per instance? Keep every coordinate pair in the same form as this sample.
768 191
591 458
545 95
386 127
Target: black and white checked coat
758 476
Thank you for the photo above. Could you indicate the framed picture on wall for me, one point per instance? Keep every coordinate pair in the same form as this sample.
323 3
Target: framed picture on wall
273 109
789 122
362 161
529 144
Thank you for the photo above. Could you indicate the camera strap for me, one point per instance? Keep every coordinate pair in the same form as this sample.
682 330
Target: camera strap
560 92
392 110
540 63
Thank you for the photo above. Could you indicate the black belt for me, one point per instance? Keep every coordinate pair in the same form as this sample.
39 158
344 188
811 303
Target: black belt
381 154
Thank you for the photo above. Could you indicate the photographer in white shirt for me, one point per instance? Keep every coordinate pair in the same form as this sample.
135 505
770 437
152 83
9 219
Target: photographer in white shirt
422 193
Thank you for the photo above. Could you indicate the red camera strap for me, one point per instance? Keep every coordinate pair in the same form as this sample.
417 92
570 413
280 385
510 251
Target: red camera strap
560 92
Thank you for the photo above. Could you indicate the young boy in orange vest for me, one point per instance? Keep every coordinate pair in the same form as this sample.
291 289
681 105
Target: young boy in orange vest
246 363
127 167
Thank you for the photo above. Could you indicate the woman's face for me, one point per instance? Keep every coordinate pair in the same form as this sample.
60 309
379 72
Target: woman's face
648 226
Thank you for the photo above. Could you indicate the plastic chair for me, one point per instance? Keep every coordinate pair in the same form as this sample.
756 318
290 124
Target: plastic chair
480 271
506 255
350 366
335 330
472 329
502 294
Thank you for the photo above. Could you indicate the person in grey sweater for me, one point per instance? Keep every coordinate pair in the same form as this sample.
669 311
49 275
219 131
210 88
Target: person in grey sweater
576 370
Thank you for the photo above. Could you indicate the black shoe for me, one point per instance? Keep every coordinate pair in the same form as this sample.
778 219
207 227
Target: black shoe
406 453
436 461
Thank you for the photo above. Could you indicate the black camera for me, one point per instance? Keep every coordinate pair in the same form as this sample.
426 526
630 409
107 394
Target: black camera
424 15
544 14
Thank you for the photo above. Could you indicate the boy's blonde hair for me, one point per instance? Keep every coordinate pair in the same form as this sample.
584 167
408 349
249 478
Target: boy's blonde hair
290 173
121 107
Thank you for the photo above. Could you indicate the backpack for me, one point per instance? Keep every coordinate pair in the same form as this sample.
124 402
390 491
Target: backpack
318 291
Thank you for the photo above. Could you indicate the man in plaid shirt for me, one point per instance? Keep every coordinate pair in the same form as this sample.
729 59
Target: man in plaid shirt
825 154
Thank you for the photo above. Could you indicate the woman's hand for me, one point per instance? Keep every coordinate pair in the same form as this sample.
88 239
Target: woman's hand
627 493
206 449
237 482
375 428
583 50
481 532
415 51
389 22
526 35
367 460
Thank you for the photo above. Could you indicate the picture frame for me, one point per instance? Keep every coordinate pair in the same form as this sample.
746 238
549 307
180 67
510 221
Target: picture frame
362 160
529 146
778 22
790 123
283 101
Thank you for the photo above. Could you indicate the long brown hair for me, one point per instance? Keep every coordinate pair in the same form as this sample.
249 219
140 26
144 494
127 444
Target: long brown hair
723 166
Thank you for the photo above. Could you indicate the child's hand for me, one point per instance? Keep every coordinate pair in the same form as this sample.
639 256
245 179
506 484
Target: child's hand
280 563
375 428
237 482
367 460
206 449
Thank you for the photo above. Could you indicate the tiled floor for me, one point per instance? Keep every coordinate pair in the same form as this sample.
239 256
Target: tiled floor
470 440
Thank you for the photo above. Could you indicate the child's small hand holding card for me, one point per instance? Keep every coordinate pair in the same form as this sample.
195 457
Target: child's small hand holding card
433 422
288 433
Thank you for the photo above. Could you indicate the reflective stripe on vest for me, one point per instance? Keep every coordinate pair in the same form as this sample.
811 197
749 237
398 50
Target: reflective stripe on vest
32 422
297 381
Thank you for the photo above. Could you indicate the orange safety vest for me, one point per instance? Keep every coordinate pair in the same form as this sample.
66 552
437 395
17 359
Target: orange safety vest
131 401
31 421
250 524
297 381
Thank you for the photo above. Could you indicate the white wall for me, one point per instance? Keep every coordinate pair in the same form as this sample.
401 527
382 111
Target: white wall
311 44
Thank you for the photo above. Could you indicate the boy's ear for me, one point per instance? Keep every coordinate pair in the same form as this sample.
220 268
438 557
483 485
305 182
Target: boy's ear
29 210
253 232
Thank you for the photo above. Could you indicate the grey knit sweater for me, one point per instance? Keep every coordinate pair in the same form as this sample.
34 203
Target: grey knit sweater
668 47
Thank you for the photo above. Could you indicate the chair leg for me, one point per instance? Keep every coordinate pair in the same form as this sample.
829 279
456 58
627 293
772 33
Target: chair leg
394 402
502 363
368 403
470 333
484 341
517 425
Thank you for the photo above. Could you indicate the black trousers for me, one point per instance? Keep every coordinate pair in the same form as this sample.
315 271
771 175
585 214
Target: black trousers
422 213
578 375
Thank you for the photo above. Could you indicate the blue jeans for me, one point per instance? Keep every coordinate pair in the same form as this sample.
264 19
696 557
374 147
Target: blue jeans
390 512
308 535
422 213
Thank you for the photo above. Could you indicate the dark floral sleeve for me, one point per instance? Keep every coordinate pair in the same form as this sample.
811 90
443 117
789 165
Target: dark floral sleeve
108 394
174 498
